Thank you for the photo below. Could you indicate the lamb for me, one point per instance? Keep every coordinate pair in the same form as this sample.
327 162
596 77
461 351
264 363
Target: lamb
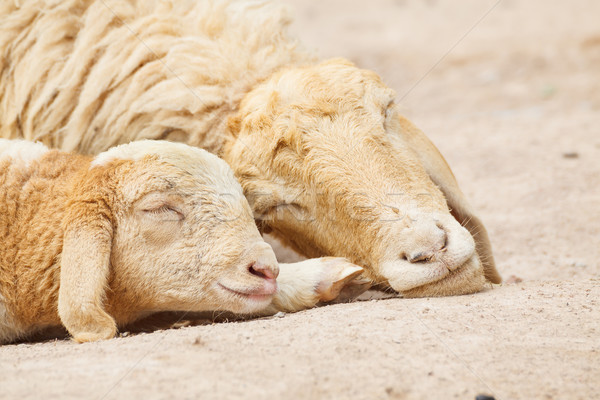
96 243
325 159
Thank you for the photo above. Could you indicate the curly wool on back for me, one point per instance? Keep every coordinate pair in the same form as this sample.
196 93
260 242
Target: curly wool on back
87 75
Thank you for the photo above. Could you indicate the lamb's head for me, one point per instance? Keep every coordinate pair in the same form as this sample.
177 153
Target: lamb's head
168 228
330 167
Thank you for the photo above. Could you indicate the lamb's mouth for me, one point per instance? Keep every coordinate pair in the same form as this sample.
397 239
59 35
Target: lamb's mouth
255 295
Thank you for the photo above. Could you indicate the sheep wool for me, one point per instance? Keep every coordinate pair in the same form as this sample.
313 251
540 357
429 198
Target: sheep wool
86 75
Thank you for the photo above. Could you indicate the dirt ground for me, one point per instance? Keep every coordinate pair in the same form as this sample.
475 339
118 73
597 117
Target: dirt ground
509 91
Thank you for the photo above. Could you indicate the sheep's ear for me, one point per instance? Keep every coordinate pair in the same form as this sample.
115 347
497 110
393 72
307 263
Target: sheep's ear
84 271
442 176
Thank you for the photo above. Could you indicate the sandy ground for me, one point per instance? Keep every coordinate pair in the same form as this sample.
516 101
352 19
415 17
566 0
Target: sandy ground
509 92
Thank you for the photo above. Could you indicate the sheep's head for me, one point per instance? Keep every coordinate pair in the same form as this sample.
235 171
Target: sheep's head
330 167
171 229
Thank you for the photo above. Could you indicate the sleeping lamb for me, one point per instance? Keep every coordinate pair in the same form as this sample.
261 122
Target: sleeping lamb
323 156
144 227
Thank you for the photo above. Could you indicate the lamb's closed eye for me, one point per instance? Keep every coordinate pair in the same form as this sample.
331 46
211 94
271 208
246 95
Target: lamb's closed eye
161 206
165 213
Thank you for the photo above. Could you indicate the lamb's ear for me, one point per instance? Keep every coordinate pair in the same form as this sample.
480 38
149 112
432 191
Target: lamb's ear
442 176
84 272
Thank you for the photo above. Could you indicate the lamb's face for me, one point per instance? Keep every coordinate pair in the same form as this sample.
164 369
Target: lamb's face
184 237
336 181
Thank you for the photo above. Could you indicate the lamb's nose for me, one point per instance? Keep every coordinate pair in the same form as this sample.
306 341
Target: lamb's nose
261 262
428 240
268 272
263 270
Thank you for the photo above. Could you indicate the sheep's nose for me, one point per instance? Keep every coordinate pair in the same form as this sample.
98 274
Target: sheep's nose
420 257
427 239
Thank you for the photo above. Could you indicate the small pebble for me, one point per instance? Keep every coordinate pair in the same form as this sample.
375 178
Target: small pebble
198 341
547 91
571 154
484 397
280 314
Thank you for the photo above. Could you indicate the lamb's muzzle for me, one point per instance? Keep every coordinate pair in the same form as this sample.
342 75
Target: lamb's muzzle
260 271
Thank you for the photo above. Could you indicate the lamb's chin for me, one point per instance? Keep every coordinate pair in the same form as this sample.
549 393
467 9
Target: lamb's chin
242 303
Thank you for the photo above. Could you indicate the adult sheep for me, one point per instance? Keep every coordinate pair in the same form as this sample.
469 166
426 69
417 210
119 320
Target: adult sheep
324 158
95 243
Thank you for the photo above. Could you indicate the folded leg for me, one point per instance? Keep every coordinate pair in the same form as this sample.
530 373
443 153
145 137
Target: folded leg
304 284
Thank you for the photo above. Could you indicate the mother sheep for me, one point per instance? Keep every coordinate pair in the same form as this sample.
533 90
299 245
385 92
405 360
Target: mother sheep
325 160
